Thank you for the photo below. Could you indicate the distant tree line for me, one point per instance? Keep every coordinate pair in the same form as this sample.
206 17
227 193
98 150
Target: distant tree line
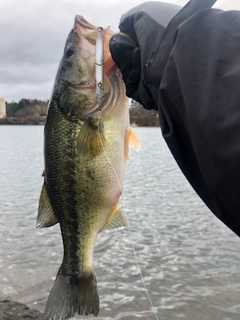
26 107
142 117
28 111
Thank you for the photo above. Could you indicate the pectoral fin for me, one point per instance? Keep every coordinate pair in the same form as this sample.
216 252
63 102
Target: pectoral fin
91 140
131 141
46 216
134 141
116 219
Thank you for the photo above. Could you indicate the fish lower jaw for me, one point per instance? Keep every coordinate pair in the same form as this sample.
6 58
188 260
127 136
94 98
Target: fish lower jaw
82 88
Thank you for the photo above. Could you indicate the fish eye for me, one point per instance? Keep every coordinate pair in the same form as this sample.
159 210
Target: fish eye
69 52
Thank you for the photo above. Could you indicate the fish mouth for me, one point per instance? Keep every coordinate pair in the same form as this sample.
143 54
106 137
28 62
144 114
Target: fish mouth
89 32
84 23
82 86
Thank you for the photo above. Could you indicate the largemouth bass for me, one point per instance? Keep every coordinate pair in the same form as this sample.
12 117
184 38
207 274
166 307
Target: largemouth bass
86 149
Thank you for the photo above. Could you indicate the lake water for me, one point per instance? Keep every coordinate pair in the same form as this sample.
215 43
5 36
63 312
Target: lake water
189 260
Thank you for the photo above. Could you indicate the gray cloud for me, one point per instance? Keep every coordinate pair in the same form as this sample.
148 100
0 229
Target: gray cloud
32 38
15 73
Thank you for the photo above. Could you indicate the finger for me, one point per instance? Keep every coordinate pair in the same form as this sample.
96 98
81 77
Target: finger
126 55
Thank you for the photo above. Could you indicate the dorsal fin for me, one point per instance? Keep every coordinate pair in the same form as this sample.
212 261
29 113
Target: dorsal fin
46 216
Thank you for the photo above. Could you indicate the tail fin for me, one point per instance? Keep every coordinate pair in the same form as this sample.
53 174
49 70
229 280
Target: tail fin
66 299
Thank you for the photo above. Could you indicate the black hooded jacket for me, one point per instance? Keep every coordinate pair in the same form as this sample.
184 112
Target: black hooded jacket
195 84
189 70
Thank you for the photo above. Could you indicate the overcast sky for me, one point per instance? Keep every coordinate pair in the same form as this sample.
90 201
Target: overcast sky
32 37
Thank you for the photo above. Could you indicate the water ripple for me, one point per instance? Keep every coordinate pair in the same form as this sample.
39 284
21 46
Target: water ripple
189 260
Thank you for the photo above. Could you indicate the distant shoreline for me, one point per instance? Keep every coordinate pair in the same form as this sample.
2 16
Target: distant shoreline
20 122
34 112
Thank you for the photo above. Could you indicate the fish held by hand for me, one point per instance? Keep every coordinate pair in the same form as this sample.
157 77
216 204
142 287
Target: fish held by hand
85 159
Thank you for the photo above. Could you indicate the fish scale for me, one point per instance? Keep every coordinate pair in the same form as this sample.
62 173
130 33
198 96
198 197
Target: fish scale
60 170
85 161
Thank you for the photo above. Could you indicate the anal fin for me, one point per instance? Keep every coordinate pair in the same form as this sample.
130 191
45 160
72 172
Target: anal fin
46 216
116 219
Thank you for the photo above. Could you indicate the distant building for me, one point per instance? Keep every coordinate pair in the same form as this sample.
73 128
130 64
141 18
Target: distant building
2 108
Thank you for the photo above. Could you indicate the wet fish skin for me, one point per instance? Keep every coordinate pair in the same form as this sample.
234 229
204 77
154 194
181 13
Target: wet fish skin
61 184
85 159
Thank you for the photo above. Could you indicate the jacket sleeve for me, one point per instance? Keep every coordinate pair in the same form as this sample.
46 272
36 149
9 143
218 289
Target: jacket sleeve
199 108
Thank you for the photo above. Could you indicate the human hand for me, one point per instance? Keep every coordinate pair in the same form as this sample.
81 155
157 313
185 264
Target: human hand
141 29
